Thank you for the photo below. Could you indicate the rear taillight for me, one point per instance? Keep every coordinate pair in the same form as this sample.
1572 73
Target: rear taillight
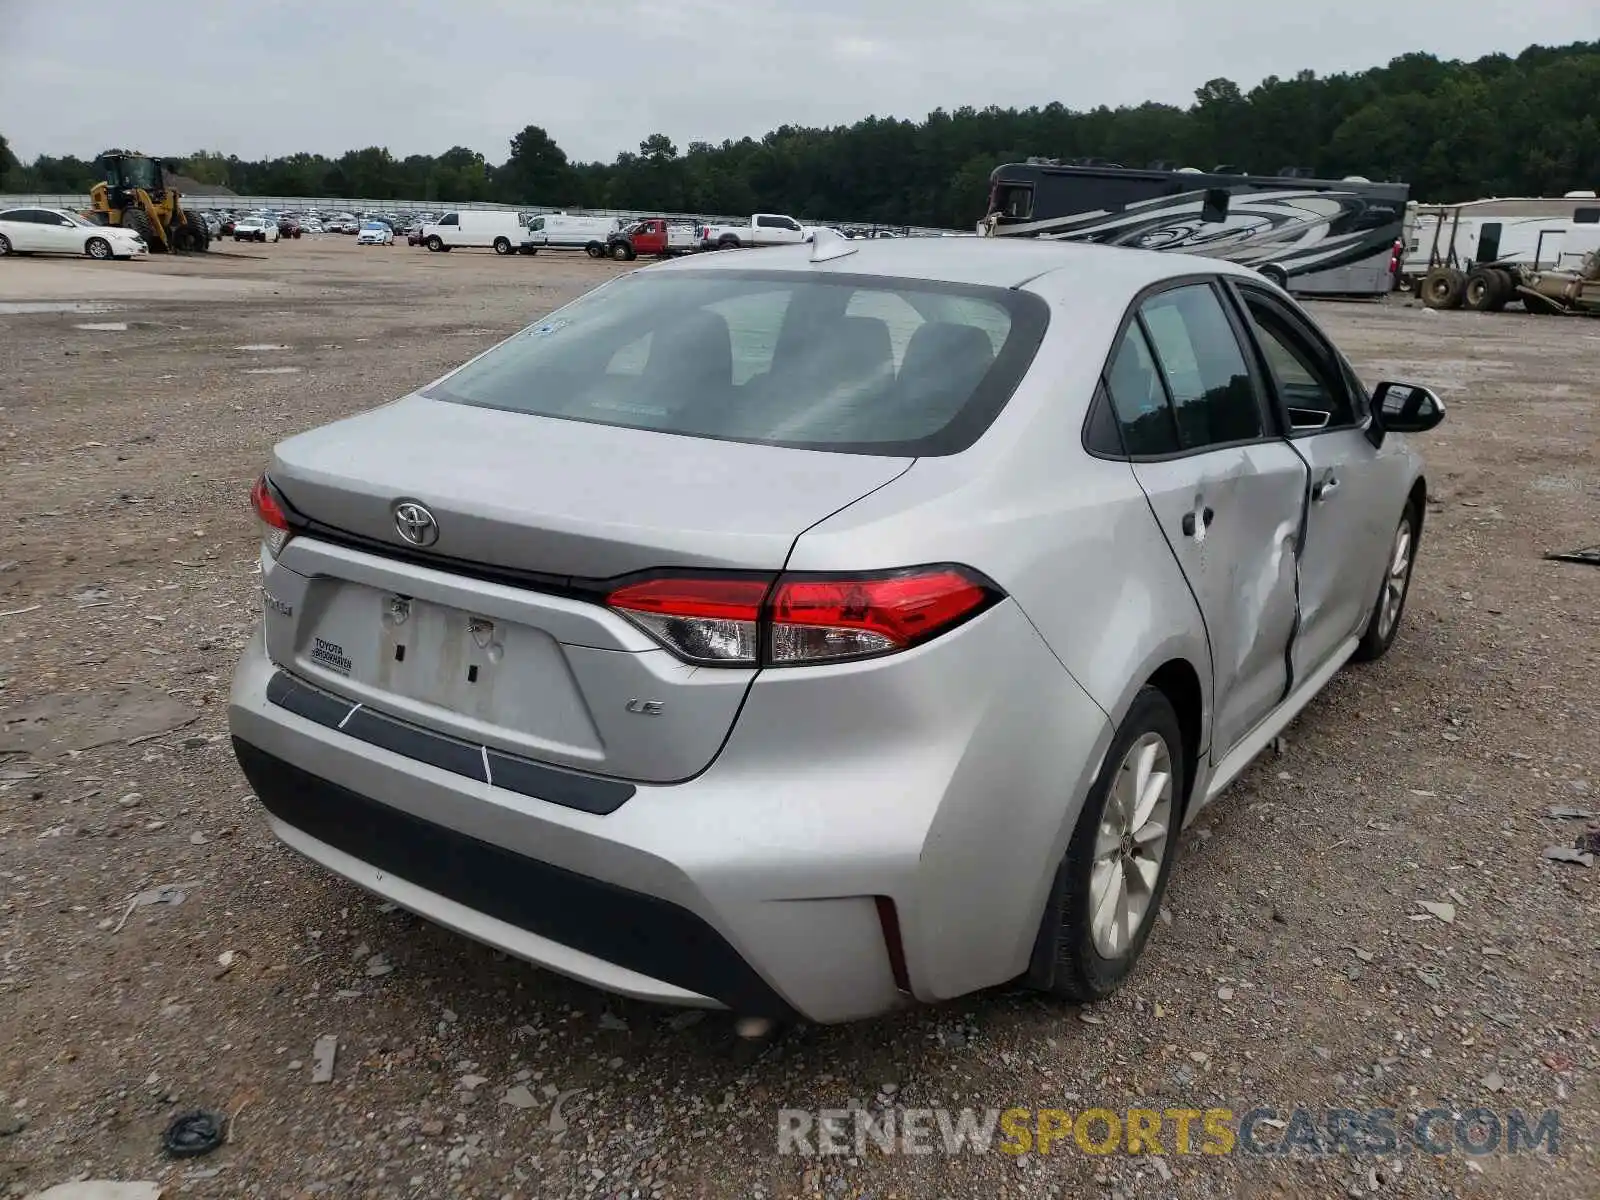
705 619
274 525
751 621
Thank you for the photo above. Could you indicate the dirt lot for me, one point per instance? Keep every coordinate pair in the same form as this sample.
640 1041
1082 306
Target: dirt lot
1297 968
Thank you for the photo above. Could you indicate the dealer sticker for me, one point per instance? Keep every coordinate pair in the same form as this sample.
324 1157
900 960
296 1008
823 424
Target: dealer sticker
330 655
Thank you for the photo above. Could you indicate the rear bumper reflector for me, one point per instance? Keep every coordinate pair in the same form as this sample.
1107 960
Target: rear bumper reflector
569 789
641 933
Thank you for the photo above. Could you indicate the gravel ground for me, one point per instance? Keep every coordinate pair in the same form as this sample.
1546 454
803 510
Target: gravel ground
1295 965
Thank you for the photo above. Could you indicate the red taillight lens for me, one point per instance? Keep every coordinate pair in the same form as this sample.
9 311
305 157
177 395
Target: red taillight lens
818 619
732 620
705 619
274 525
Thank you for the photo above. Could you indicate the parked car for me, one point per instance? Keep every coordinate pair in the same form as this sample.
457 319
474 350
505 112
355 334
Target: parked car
500 231
288 227
655 237
60 231
255 229
415 236
375 233
893 614
558 231
764 229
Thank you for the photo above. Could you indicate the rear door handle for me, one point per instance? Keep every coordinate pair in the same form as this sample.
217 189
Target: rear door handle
1206 516
1325 490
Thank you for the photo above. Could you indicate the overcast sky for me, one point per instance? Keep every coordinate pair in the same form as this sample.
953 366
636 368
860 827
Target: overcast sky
277 76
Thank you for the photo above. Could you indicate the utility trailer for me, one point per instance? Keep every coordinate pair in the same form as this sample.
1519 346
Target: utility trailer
1501 229
1561 275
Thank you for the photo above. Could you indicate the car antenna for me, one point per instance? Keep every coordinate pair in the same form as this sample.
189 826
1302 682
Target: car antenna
826 245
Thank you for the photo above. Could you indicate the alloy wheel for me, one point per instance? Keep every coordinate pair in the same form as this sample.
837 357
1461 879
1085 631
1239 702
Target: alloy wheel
1394 583
1135 831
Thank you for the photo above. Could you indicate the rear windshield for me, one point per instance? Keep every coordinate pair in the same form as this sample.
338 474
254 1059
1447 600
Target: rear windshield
861 364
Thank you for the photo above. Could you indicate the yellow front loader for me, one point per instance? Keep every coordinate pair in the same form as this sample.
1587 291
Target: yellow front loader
133 193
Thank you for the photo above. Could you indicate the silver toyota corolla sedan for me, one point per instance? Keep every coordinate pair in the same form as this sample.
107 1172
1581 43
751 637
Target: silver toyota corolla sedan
813 631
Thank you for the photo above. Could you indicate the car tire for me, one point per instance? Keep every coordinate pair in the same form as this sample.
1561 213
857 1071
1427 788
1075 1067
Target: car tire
1390 606
1089 956
622 252
502 246
5 245
1443 287
729 243
434 244
595 250
1276 275
98 248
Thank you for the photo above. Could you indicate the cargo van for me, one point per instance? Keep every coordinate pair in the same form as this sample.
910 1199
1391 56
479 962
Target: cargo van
558 231
500 231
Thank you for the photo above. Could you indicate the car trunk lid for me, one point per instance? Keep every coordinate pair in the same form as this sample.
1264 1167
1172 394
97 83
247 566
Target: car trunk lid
496 633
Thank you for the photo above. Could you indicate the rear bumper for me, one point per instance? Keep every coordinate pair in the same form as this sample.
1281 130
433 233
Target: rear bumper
947 783
615 937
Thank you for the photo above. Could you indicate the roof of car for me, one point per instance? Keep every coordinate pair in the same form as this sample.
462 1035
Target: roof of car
991 262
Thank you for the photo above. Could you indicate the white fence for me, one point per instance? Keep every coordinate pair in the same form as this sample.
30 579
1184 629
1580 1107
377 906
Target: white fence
341 204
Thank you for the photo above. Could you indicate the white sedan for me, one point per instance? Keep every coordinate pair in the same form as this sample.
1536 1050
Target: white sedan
58 231
255 229
375 233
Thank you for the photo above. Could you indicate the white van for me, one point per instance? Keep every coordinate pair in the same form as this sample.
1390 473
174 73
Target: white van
501 231
558 231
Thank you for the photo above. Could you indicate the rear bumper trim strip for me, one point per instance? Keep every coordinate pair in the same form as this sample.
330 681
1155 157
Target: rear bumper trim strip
586 793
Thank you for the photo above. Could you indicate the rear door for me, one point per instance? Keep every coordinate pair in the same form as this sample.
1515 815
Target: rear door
1226 489
23 230
1355 490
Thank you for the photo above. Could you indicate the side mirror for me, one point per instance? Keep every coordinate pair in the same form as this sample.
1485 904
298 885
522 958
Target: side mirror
1403 408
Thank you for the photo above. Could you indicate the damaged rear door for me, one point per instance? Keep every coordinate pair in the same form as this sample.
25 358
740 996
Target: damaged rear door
1228 491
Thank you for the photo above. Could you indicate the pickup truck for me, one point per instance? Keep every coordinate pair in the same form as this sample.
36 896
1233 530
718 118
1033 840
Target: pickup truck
653 238
764 229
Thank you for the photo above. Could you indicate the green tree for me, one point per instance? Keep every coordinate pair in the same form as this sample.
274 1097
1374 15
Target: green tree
8 162
537 171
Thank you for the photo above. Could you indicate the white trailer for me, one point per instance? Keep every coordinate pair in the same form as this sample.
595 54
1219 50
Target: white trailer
1517 230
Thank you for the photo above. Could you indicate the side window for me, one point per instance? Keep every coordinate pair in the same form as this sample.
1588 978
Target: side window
1586 216
1213 398
1307 379
1138 398
450 219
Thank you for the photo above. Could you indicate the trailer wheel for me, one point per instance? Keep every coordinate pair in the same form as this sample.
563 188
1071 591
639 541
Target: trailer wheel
1508 286
1482 290
1443 287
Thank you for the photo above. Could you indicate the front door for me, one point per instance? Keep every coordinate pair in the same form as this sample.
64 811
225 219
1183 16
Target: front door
1349 527
1227 491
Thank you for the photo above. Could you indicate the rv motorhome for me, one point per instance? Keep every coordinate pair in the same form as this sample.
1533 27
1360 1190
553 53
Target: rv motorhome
1313 236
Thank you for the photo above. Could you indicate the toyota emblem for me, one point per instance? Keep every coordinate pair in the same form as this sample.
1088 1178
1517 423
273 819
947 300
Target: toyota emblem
415 523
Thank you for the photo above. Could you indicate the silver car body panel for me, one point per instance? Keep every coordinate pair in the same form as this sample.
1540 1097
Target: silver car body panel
781 806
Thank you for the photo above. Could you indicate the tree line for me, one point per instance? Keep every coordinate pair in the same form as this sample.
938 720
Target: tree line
1500 125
